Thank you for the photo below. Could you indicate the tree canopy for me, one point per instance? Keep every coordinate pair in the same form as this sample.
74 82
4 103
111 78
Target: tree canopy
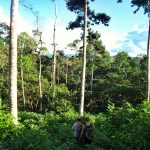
93 18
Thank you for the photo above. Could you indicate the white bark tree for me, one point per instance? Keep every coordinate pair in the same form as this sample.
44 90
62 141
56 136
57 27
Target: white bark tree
13 60
83 61
148 62
54 44
42 50
22 77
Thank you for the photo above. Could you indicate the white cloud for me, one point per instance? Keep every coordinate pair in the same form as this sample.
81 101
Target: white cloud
63 36
24 26
110 39
134 41
139 29
143 44
134 50
3 18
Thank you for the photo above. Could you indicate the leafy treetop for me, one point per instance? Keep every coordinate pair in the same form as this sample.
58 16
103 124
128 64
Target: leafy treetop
77 7
145 4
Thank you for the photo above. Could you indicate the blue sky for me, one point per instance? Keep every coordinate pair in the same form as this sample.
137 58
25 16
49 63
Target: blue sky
126 31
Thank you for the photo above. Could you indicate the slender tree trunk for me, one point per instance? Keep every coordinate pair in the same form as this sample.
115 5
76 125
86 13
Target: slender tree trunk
38 35
92 71
67 72
40 81
54 62
148 64
58 72
22 79
76 56
83 61
54 52
13 61
92 81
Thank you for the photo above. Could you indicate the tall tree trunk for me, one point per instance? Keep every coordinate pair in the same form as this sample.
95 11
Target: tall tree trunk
91 84
38 35
92 72
54 51
22 79
67 71
83 61
58 73
148 64
13 61
40 83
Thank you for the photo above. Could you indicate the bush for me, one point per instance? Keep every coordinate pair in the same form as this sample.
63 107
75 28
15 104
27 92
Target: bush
7 128
122 128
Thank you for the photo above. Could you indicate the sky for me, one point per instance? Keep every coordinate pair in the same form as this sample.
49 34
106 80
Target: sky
126 31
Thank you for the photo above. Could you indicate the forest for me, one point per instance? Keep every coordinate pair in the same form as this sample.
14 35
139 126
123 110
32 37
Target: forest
41 95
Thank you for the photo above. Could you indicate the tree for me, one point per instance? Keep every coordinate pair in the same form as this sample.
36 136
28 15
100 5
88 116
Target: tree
93 18
13 60
66 70
22 75
83 61
54 51
4 38
26 45
74 46
84 21
41 51
4 31
54 44
4 34
38 34
60 64
145 4
95 49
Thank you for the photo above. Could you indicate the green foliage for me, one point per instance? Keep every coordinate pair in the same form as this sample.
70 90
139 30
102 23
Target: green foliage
115 79
120 128
4 32
125 128
93 18
60 103
139 4
40 132
26 43
29 119
7 128
31 139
